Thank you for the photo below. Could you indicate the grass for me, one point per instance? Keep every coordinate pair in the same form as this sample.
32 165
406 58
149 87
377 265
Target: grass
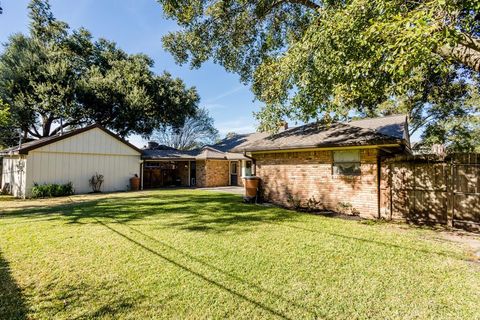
193 254
6 198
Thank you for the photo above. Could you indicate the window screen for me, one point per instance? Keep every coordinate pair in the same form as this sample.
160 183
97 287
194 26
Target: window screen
346 163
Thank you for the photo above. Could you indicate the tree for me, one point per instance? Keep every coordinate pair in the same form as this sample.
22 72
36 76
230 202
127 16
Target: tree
4 113
197 131
445 108
7 136
307 59
55 78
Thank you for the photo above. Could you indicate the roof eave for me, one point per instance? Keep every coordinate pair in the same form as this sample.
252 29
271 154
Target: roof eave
398 142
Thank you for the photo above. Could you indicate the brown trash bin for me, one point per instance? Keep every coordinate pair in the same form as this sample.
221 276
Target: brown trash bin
135 183
251 187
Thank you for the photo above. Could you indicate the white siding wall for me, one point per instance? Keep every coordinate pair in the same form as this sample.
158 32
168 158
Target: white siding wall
14 173
77 158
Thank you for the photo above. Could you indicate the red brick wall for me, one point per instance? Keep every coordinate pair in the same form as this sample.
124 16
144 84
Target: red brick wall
309 174
212 173
201 173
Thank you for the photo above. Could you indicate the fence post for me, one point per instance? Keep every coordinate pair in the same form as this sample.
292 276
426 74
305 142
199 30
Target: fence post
451 194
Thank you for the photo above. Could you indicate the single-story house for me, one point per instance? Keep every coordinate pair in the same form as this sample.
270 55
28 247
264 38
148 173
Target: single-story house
336 164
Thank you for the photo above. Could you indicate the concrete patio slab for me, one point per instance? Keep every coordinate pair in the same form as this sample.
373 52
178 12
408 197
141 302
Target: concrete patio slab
229 189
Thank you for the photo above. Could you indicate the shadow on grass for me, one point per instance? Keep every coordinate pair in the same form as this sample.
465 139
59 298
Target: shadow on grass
217 269
195 212
374 242
197 274
215 212
12 303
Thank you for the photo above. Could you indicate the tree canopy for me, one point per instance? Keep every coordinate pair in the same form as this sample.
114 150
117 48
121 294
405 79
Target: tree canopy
198 130
54 77
307 59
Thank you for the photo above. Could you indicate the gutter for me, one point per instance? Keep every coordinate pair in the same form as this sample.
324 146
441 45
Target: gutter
324 147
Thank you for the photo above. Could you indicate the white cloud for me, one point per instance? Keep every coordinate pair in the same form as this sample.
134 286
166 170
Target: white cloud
214 106
225 94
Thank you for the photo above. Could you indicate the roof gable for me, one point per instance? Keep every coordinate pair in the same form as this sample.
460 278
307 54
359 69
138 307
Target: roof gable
64 140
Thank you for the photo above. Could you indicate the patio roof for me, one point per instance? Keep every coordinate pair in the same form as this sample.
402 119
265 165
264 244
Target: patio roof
204 153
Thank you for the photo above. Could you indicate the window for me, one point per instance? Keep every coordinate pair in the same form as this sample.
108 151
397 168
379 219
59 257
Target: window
346 163
233 167
248 168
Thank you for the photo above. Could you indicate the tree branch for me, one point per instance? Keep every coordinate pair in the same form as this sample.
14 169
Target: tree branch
33 134
467 52
65 125
307 3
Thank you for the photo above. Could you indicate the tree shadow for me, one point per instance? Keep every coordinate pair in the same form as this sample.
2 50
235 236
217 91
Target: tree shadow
210 280
375 242
12 302
213 212
217 269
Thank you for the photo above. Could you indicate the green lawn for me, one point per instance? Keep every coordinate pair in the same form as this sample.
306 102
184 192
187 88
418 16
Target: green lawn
193 254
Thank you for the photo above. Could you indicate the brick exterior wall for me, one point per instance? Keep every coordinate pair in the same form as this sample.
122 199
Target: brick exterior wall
304 175
201 173
213 173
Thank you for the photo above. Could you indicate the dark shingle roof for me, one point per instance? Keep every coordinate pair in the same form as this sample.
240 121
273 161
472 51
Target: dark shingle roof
394 126
237 140
197 154
388 130
169 154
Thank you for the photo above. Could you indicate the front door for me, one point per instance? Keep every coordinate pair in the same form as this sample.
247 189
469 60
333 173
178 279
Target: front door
234 173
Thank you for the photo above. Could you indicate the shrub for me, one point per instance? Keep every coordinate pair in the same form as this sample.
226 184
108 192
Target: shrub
294 201
347 208
96 182
313 205
52 190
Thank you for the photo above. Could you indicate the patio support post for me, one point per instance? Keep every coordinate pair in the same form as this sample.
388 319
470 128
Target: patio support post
141 175
189 173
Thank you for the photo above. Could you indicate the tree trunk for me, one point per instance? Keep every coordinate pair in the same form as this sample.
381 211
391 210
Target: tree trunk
466 52
46 126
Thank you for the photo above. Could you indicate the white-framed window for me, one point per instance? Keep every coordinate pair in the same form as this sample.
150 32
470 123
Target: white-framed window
346 163
233 167
248 168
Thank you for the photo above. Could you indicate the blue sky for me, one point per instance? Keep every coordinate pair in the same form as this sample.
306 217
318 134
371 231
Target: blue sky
138 26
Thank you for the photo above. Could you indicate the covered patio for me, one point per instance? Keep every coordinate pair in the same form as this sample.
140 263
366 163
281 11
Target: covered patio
166 173
206 167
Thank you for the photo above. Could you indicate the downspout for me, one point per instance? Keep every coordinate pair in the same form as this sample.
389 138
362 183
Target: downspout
254 163
379 193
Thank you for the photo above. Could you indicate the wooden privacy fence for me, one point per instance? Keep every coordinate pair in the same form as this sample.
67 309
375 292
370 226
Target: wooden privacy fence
429 189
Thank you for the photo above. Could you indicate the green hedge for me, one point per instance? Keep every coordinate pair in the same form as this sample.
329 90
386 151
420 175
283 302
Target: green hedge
52 190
